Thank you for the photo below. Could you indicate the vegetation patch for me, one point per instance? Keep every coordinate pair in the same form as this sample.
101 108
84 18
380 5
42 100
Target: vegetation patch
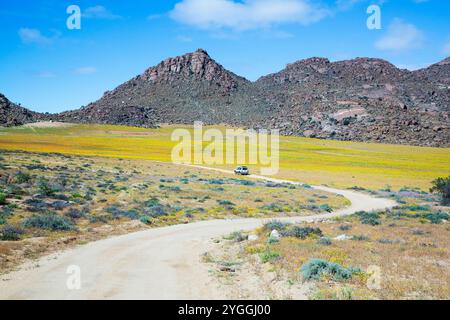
317 269
51 222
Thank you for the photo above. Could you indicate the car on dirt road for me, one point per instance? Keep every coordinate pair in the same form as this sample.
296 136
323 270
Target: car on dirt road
243 171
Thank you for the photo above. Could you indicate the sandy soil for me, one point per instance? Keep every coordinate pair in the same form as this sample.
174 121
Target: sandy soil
162 263
48 124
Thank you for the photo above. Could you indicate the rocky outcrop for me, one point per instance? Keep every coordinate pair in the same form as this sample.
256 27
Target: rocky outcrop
184 89
14 115
362 99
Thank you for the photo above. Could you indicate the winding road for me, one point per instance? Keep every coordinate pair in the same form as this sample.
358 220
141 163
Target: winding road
163 263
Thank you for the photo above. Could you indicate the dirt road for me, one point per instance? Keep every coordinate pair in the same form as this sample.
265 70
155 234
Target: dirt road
159 263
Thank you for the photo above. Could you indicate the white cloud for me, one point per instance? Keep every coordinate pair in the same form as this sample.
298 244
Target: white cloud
400 36
446 48
85 70
33 36
100 12
246 14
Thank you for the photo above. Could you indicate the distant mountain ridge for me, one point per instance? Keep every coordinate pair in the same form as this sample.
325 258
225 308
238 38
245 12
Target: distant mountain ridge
362 99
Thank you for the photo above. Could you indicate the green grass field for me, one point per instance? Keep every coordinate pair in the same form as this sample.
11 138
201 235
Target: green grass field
335 163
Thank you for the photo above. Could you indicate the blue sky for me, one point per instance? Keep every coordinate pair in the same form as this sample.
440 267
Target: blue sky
49 68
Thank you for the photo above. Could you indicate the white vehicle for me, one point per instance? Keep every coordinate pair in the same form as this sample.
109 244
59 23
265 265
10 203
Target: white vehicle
243 171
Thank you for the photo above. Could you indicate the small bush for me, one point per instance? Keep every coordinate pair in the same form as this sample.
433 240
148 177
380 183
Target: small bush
118 213
22 177
45 188
2 198
75 214
442 187
156 211
325 241
325 207
370 218
236 237
246 182
268 256
273 240
170 188
273 207
437 217
215 181
51 222
226 203
146 220
417 208
11 233
360 238
317 268
152 202
345 227
276 225
99 218
301 232
59 205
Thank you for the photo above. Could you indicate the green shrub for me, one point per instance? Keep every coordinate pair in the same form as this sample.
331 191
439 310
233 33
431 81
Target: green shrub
170 188
22 177
268 256
51 222
272 240
246 182
45 188
11 233
103 218
437 217
416 208
273 207
225 203
215 181
146 220
301 232
360 237
442 187
276 225
117 213
184 181
325 207
236 236
345 227
325 241
2 198
75 214
370 218
317 268
152 202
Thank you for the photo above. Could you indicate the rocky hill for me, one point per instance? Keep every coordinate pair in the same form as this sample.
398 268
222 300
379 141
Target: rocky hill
361 99
13 115
183 89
